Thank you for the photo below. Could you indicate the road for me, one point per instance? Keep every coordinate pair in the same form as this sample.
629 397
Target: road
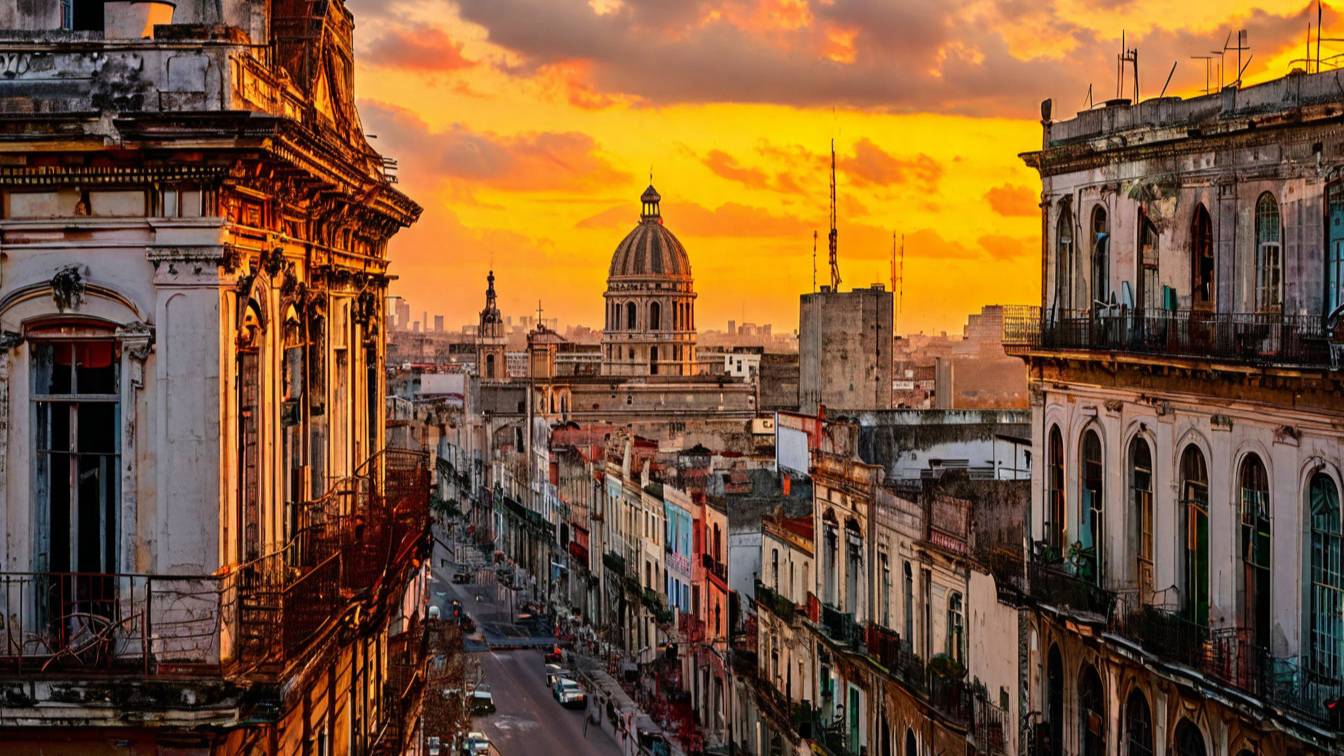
527 719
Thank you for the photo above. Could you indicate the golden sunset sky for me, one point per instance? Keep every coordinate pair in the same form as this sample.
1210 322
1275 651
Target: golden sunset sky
527 130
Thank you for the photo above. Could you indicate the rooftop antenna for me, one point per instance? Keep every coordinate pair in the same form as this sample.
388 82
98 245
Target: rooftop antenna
1319 29
833 238
814 261
1241 47
1169 75
897 277
1126 56
1208 60
1089 96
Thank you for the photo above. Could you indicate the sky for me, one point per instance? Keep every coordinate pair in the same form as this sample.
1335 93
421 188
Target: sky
527 130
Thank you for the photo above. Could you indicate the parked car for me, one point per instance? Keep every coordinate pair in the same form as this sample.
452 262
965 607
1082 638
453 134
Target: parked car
461 576
476 742
482 701
432 745
553 674
569 693
555 656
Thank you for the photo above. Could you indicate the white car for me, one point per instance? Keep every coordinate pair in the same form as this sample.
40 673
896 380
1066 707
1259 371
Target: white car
476 742
569 693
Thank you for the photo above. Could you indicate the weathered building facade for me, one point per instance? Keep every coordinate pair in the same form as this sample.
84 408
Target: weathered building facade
845 350
1186 406
207 546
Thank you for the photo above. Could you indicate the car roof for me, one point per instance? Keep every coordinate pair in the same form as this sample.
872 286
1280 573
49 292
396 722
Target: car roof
567 681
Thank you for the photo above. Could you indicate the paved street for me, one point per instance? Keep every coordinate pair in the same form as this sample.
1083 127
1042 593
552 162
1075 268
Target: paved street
528 720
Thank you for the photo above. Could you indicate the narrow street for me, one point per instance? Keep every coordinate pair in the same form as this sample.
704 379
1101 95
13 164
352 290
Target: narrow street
527 719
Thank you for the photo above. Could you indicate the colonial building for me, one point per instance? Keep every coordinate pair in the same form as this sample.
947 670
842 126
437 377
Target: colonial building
1184 363
208 547
845 349
650 301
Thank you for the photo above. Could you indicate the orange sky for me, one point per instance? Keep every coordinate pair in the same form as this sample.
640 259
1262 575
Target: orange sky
527 130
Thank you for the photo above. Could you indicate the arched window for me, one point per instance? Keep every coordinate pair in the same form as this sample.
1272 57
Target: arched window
1101 246
911 745
1268 254
1090 508
630 316
1189 741
1063 260
1054 700
653 360
1141 494
908 605
1091 712
489 367
1150 287
1054 516
1138 725
1201 260
1334 250
1253 508
1327 581
655 316
1194 492
956 629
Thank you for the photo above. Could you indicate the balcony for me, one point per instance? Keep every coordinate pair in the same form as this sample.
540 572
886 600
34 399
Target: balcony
715 568
351 544
1253 338
1069 585
691 628
840 626
776 603
614 562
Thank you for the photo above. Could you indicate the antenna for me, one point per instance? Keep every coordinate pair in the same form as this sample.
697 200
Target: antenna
1242 46
897 278
1169 75
1126 56
1208 59
833 238
814 261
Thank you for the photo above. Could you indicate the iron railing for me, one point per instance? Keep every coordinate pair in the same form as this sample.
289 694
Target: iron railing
1259 338
840 626
1060 583
262 611
778 604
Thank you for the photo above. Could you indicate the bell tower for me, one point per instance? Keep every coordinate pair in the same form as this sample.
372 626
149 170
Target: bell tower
490 339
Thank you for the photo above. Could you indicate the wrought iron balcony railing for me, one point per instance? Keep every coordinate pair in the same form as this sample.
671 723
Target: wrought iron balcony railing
264 611
776 603
1259 338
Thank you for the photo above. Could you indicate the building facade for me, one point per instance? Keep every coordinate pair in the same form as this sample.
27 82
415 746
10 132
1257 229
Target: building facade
191 300
1185 402
845 349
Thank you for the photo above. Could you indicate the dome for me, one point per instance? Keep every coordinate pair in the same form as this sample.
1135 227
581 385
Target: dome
650 250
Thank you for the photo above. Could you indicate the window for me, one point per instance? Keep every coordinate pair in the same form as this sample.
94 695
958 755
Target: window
774 568
630 316
886 590
908 602
1268 253
1189 741
911 745
1090 509
831 542
1063 260
1054 517
1201 260
1334 253
187 201
1150 288
1326 643
82 15
956 635
653 360
76 398
1101 244
1091 712
1054 700
1254 512
1194 492
1138 726
655 316
1141 493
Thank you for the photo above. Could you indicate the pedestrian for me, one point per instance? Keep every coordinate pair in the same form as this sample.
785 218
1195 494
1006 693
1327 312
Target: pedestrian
586 720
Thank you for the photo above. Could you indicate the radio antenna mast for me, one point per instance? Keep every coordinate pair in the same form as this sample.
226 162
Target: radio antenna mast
814 261
833 238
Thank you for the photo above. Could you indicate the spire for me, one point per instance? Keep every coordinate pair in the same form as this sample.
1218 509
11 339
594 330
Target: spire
649 205
490 289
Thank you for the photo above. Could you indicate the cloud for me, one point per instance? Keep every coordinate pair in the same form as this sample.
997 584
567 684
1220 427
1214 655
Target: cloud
527 162
1002 247
727 166
423 49
688 220
870 165
982 57
1011 200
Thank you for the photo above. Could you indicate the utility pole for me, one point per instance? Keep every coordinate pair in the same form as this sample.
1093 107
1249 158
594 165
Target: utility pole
834 235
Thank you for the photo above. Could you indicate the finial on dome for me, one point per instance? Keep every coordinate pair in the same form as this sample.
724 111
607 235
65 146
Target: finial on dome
649 204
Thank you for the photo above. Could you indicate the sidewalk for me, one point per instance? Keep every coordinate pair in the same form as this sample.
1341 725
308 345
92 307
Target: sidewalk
611 706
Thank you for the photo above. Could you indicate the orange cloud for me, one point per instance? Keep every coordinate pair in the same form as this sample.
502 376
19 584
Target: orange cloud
1002 247
425 49
1011 200
727 166
871 165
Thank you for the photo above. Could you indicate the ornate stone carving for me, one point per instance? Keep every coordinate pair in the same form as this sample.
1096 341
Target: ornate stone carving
67 287
137 339
1114 406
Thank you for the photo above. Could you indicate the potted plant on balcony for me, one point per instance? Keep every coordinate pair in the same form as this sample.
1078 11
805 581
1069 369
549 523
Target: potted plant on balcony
946 667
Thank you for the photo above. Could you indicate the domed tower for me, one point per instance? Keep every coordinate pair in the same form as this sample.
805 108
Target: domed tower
490 339
650 299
